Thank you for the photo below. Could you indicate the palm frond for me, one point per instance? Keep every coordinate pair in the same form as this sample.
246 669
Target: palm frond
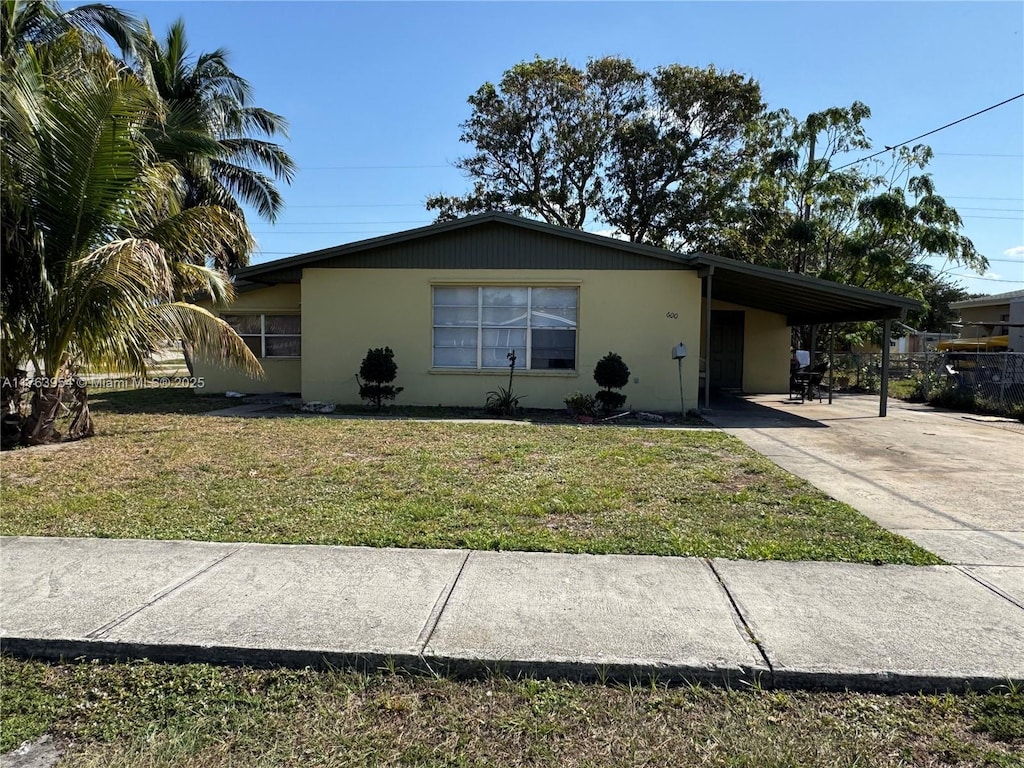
253 187
195 234
250 152
212 338
200 280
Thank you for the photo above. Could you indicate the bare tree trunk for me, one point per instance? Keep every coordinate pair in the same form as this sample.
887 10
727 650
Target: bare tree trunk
11 419
186 352
41 425
81 420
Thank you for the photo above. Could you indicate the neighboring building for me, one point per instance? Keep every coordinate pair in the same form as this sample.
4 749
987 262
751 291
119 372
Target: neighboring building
1001 314
919 342
452 299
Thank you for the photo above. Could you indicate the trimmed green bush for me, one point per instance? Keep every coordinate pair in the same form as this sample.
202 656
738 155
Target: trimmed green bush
376 373
611 373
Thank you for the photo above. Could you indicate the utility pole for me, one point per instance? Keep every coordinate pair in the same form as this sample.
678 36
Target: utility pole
805 211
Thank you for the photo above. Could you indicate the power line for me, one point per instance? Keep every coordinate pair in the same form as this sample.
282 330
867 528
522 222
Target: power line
979 277
1004 210
329 232
330 223
388 205
1002 218
421 205
975 197
929 133
970 154
368 167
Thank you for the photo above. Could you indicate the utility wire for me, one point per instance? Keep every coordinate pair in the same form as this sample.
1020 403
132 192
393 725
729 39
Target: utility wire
975 197
979 277
420 205
402 205
970 154
944 127
368 167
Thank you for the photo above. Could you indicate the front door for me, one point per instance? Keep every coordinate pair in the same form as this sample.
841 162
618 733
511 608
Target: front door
725 363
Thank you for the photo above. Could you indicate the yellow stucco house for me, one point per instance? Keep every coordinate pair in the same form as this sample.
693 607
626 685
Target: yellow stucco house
452 299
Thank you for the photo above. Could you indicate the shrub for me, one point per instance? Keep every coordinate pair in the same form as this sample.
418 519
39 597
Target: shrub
611 373
580 404
376 373
609 400
953 398
502 402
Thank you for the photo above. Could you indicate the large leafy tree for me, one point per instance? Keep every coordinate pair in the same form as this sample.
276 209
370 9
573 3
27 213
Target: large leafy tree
866 225
680 155
650 154
877 225
96 231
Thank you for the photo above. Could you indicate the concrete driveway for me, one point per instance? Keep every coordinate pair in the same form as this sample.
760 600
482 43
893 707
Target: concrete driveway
951 482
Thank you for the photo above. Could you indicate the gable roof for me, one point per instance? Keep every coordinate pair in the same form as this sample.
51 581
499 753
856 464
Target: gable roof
801 298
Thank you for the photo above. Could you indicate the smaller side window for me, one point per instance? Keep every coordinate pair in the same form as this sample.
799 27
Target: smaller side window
250 328
269 335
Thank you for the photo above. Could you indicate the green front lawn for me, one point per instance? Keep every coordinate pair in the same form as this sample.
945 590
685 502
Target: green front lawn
561 488
112 715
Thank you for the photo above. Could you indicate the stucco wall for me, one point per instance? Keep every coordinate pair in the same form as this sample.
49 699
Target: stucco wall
282 375
347 311
990 314
1017 334
766 345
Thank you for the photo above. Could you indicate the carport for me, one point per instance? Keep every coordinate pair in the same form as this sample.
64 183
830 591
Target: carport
803 300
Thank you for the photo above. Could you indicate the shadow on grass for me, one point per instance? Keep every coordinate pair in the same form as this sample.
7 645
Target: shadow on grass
155 400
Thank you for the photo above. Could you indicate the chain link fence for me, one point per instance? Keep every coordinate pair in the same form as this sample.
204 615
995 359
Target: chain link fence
983 382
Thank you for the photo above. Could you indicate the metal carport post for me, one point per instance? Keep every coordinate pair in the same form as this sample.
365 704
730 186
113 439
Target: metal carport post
883 393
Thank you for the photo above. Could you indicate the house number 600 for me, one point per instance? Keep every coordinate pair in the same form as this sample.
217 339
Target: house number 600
672 315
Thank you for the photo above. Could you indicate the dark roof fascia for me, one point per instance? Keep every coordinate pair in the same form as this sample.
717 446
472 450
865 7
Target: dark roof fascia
306 259
812 283
881 305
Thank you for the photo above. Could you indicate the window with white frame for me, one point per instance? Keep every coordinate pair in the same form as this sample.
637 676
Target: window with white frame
477 326
269 335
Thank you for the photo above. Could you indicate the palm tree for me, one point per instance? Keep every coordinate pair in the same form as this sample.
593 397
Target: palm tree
213 133
37 22
216 138
96 229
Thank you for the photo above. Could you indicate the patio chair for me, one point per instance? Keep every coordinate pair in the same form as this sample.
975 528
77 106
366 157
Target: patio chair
806 383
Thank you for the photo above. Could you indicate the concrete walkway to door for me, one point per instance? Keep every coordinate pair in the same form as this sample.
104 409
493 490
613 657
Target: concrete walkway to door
952 482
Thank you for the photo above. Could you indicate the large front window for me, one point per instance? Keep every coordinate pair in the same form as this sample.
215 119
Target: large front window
269 335
477 326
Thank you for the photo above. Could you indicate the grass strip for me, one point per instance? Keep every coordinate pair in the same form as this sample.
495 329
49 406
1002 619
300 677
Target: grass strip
110 715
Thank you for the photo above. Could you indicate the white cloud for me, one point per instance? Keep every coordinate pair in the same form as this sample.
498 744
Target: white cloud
1014 252
990 275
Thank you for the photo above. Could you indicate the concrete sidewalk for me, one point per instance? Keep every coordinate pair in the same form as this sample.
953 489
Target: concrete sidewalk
822 625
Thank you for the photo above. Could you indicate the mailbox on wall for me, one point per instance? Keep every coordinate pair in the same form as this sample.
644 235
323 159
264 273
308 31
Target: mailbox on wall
679 351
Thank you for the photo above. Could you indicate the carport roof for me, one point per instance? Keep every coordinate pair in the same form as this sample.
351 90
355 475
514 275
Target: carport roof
800 298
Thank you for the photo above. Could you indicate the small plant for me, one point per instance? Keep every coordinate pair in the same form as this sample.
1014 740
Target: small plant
611 373
502 401
376 373
579 404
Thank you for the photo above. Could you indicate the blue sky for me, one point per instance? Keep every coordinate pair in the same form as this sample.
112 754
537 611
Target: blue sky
375 91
